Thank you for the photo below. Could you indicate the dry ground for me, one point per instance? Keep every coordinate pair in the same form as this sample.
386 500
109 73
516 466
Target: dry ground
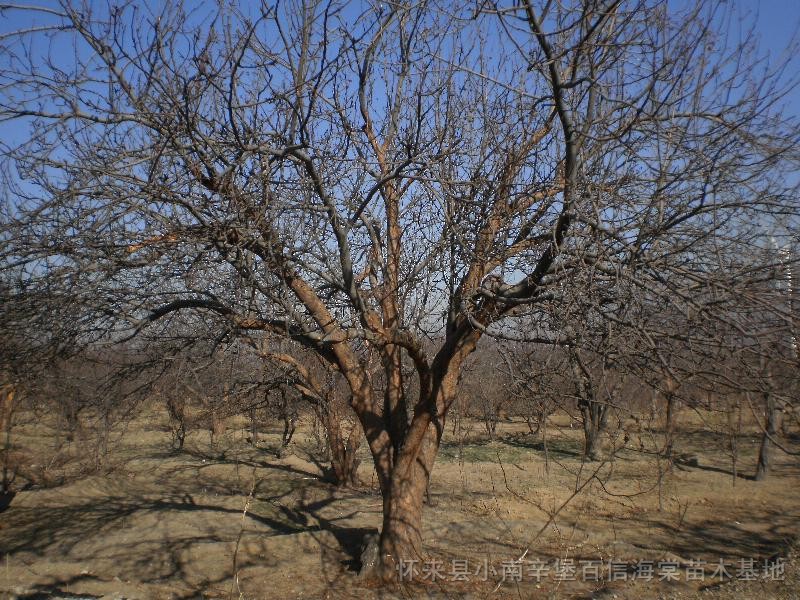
234 521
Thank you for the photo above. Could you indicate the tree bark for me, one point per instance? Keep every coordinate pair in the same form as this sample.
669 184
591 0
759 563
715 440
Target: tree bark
594 413
342 453
177 417
6 407
670 395
669 427
6 411
534 424
401 534
404 480
253 427
594 423
770 430
734 429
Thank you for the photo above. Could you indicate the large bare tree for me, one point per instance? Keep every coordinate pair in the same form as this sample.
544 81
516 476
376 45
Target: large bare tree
410 176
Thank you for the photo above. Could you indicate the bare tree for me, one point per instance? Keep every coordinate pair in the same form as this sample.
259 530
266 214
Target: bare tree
483 389
594 410
397 174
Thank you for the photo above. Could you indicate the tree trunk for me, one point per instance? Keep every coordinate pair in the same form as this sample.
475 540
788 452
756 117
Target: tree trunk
6 413
670 395
594 413
401 534
70 414
288 430
344 462
734 429
594 423
770 430
253 427
177 417
288 413
404 475
534 424
344 468
669 427
490 419
6 407
217 426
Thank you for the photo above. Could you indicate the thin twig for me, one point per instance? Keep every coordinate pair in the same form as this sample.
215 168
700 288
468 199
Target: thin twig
239 537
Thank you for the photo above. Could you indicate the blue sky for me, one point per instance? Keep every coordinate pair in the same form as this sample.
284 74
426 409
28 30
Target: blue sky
778 20
777 26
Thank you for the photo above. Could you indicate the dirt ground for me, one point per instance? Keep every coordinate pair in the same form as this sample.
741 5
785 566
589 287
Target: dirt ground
235 521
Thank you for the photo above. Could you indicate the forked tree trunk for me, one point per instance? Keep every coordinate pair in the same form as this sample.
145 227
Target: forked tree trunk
177 419
72 422
217 426
595 418
594 414
404 464
670 389
490 418
342 452
6 408
288 413
345 463
289 426
534 424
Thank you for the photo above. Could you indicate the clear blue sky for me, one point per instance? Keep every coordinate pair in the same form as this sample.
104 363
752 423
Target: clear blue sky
778 20
777 25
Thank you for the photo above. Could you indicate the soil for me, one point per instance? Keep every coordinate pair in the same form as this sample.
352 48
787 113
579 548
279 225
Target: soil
234 521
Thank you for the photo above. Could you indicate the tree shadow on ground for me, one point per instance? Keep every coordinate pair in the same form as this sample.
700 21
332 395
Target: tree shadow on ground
216 458
57 592
689 465
90 526
769 535
564 447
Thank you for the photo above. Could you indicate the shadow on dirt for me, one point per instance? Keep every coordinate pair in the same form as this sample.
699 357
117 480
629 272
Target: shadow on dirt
194 510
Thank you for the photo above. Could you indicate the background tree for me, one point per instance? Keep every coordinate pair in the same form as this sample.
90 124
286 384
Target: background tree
532 381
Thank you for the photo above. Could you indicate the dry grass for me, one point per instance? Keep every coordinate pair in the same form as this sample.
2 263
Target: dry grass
151 523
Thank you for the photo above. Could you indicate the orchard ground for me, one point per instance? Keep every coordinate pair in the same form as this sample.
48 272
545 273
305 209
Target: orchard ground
235 521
